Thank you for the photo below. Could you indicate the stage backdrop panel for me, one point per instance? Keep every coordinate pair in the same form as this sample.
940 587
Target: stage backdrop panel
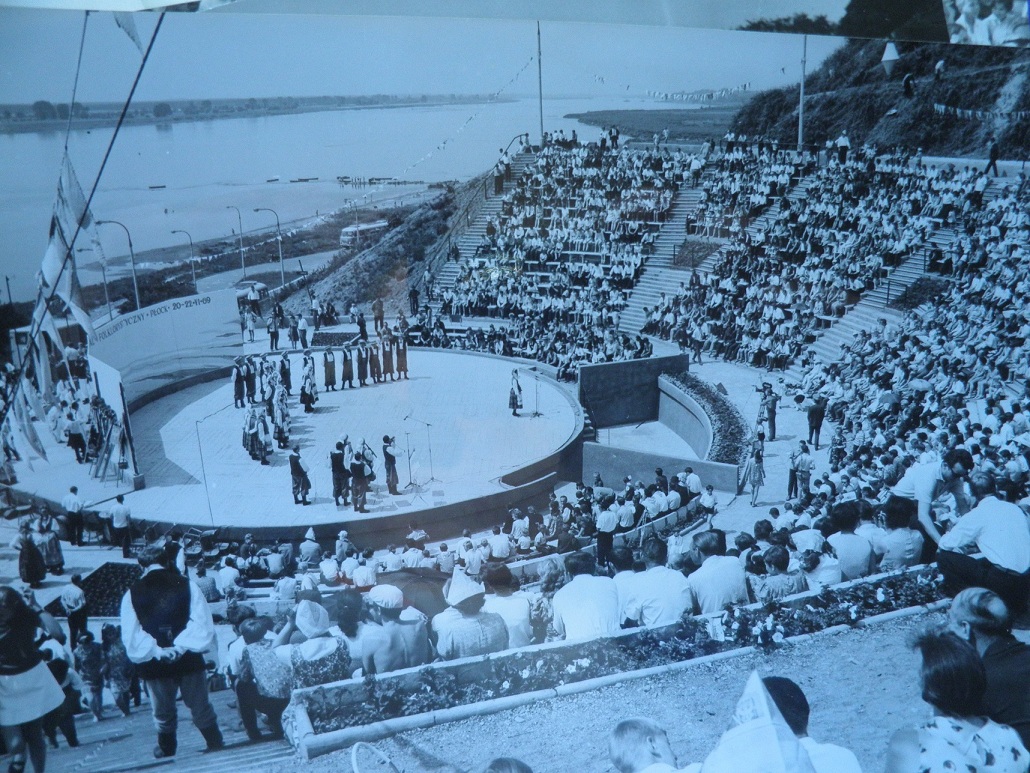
617 393
170 344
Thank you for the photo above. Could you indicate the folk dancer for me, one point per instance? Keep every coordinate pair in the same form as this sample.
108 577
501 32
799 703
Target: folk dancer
299 478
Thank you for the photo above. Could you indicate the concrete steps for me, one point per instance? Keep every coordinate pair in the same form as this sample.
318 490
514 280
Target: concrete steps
126 743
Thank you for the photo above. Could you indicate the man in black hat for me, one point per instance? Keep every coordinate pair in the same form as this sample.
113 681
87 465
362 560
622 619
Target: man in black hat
166 628
390 461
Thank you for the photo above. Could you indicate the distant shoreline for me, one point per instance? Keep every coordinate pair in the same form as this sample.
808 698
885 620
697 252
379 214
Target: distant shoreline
143 114
700 125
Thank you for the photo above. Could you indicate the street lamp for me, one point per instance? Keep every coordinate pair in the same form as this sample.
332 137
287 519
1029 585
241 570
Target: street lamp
279 238
193 268
239 217
132 257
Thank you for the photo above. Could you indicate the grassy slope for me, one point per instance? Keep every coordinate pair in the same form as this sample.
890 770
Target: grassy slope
851 91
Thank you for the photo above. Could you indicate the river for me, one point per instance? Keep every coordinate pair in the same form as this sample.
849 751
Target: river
205 167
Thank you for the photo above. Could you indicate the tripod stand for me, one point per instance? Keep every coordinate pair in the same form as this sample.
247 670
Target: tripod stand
429 445
412 484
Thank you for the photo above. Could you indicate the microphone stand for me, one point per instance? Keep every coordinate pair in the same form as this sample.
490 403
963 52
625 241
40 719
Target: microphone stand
412 484
429 439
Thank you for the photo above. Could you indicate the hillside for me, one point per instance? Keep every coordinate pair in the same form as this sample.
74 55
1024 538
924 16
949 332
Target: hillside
852 91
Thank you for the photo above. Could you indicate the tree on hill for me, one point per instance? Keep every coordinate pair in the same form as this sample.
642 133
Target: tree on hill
799 23
43 110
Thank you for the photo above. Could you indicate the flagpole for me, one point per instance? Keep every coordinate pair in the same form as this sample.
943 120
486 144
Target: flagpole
36 326
801 102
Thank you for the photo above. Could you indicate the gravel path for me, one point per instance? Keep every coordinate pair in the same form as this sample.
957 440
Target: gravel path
862 686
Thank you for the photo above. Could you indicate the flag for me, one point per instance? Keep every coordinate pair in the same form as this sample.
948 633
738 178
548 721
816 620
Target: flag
25 425
32 398
128 25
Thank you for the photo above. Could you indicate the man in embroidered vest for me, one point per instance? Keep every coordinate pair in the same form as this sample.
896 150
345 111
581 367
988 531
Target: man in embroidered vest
166 628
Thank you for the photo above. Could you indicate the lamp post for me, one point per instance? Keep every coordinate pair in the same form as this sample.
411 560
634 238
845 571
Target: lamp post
279 238
239 218
132 258
193 267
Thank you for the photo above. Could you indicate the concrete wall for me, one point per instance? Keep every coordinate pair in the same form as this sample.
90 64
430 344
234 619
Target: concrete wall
615 463
617 393
683 415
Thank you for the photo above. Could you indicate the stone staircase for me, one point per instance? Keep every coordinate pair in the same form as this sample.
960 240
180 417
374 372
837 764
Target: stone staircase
874 304
658 274
125 744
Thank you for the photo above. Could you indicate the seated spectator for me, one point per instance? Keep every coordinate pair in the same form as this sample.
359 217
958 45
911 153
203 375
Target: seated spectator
793 706
854 552
587 607
329 569
821 568
206 584
319 658
465 628
640 746
228 576
659 595
445 559
513 607
900 546
959 737
980 617
264 680
393 641
500 545
777 582
720 578
708 504
347 610
1000 532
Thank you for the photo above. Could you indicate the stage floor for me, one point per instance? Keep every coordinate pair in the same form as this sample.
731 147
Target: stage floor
189 446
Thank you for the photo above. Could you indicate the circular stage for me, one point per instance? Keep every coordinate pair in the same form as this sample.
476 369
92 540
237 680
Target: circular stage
189 446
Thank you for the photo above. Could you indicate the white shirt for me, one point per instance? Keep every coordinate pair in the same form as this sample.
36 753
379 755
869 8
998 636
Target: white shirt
919 482
997 529
197 636
659 597
718 582
587 608
514 610
827 758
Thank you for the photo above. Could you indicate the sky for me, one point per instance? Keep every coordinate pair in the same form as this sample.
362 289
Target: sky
216 54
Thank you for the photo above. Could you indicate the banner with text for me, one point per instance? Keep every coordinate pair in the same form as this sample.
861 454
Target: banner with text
170 343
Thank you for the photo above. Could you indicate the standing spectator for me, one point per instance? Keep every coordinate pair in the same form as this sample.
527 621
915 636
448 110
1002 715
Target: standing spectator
756 475
121 525
843 146
89 662
607 522
980 617
73 516
166 628
993 154
73 599
816 416
28 690
49 543
273 333
587 607
118 671
31 568
302 331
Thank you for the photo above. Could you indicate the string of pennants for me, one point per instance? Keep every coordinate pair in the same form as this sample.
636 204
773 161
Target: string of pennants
698 96
1019 115
491 98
